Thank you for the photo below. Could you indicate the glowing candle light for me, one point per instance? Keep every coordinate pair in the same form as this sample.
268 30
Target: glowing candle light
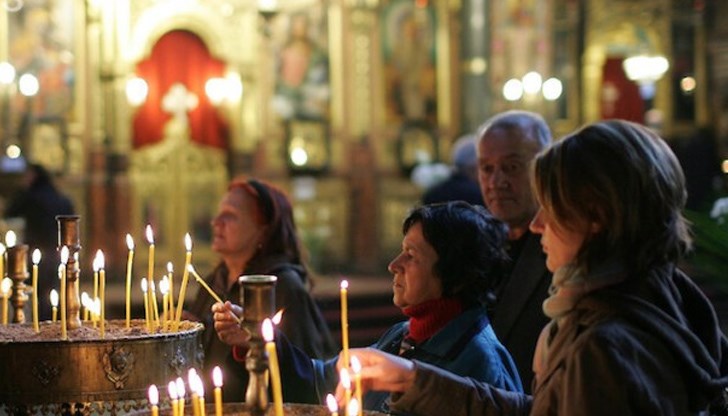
129 263
181 395
102 292
150 271
201 395
345 323
332 405
36 260
64 263
164 289
146 303
2 260
275 374
54 304
96 268
170 276
277 317
174 401
356 368
5 287
194 396
86 303
217 381
154 399
353 408
185 278
155 306
10 238
345 381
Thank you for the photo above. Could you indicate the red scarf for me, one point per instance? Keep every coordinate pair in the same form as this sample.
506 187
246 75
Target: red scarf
431 316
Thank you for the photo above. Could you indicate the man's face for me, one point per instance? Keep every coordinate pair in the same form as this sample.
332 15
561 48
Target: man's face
503 159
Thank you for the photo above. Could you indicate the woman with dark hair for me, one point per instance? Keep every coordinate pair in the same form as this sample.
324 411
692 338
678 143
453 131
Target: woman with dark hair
254 233
452 257
630 334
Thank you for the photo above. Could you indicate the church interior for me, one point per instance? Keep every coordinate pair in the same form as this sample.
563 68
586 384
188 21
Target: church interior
143 110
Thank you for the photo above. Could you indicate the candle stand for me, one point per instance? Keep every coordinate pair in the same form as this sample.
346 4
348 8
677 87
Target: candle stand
18 272
69 236
258 300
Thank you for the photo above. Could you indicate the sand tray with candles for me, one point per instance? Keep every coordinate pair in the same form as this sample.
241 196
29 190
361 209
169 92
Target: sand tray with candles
240 409
40 373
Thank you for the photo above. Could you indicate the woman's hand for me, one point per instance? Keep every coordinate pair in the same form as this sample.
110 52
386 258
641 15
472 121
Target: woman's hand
380 371
227 327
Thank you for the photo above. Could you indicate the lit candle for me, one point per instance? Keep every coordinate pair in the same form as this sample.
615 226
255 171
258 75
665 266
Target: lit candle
5 287
277 317
154 399
102 293
274 370
217 381
64 262
201 395
181 395
353 408
36 260
150 272
170 276
155 306
185 278
54 305
164 289
194 392
345 380
129 262
332 405
2 260
86 303
146 303
10 238
96 267
356 368
345 323
174 402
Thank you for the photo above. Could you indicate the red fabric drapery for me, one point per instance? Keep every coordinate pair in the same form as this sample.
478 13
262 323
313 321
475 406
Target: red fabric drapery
620 97
179 56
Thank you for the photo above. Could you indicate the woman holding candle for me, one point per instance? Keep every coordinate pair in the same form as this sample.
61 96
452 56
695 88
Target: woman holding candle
452 257
254 233
630 333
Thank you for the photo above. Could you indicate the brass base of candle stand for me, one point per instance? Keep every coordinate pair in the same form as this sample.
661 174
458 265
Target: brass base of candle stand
41 374
241 409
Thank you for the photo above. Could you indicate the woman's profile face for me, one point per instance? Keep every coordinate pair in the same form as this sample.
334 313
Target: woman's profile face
560 244
414 279
236 229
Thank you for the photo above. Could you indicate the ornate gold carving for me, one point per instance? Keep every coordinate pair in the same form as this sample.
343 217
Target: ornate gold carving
118 365
45 372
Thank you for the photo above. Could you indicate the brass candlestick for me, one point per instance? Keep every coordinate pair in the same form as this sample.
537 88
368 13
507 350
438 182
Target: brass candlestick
18 272
258 301
69 236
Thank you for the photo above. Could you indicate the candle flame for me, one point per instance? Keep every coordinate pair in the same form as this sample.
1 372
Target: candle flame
100 259
144 284
277 317
5 286
153 395
170 268
10 238
267 329
2 249
97 306
345 378
172 390
64 255
355 365
85 300
164 285
188 242
331 403
180 388
191 377
129 242
353 407
150 235
344 284
36 256
54 298
217 376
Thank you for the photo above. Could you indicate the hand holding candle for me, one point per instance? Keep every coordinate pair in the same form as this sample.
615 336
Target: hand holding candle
212 293
36 260
154 399
129 263
217 381
275 374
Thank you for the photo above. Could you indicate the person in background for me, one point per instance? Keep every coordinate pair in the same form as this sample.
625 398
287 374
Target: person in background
452 256
507 143
462 184
630 333
37 203
254 233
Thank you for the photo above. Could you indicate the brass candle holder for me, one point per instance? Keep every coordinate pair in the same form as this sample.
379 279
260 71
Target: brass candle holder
69 236
18 272
258 301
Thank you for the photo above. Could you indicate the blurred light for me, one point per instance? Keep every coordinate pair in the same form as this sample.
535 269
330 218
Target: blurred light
13 151
234 86
299 157
645 69
724 166
28 85
216 90
7 73
137 90
552 89
513 90
688 84
532 82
